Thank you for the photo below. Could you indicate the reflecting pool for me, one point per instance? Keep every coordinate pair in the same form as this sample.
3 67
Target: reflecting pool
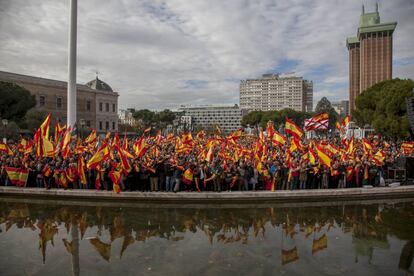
62 238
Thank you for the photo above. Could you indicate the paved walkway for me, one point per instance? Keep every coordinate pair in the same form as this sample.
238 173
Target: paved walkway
207 197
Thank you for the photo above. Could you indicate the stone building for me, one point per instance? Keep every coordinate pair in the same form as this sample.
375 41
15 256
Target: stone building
370 54
97 103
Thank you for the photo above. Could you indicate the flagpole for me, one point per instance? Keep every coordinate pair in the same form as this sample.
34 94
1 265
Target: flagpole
71 105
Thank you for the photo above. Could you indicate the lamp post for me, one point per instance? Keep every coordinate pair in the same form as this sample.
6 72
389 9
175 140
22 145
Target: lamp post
82 123
71 106
5 122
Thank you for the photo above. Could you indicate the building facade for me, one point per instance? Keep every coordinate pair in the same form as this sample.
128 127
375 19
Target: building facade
125 117
370 54
276 92
341 107
228 118
96 102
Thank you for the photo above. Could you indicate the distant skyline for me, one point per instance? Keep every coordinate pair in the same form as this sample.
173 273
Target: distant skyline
161 54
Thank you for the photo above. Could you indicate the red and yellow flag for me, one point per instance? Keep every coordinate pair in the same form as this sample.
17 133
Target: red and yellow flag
5 148
18 177
293 129
101 155
188 177
81 171
323 156
278 139
346 120
116 178
44 127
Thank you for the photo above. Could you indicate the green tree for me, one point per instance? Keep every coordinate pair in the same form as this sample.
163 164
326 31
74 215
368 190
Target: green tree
324 105
15 101
383 106
34 118
145 116
252 118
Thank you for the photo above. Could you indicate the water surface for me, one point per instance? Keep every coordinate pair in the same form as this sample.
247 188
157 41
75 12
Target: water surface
59 238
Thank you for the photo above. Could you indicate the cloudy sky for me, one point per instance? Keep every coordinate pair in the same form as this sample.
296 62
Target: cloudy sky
159 54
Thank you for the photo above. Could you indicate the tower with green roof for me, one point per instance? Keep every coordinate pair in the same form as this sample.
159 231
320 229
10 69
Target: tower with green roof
370 54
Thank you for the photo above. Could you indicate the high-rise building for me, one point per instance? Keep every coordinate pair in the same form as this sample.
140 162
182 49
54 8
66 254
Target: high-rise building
370 54
341 107
228 118
276 92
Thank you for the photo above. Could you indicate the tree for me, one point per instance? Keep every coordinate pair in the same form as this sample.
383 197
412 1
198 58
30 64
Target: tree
261 118
252 118
324 105
34 118
383 105
145 116
157 119
15 101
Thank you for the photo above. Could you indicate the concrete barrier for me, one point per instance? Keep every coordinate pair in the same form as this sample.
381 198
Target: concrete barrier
213 197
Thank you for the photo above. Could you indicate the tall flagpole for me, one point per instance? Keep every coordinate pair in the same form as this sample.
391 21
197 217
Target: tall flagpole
71 108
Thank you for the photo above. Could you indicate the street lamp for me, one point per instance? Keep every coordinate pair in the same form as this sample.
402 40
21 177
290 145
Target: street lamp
82 123
5 122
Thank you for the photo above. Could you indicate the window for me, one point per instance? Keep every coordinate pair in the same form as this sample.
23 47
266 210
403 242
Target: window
113 107
88 105
42 100
59 102
107 107
113 125
88 123
107 125
100 125
100 107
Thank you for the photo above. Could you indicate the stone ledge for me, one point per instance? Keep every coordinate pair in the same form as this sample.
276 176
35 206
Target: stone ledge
213 197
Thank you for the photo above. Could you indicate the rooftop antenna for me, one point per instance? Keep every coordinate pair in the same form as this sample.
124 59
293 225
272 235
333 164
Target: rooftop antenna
363 9
376 7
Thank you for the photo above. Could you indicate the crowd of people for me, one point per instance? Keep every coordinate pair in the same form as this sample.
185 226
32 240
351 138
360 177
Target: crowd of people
197 162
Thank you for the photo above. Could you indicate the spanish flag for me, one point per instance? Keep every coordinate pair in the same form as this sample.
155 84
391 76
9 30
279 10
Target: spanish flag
278 139
124 155
44 127
115 176
5 148
58 131
323 156
293 129
312 156
350 146
81 170
270 130
346 120
140 147
48 149
188 177
18 177
91 137
101 155
64 145
209 156
367 145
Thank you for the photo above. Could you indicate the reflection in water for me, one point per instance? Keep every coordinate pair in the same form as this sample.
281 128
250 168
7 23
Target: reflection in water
369 226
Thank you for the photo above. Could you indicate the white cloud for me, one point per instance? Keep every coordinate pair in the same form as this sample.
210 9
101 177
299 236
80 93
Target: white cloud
151 50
